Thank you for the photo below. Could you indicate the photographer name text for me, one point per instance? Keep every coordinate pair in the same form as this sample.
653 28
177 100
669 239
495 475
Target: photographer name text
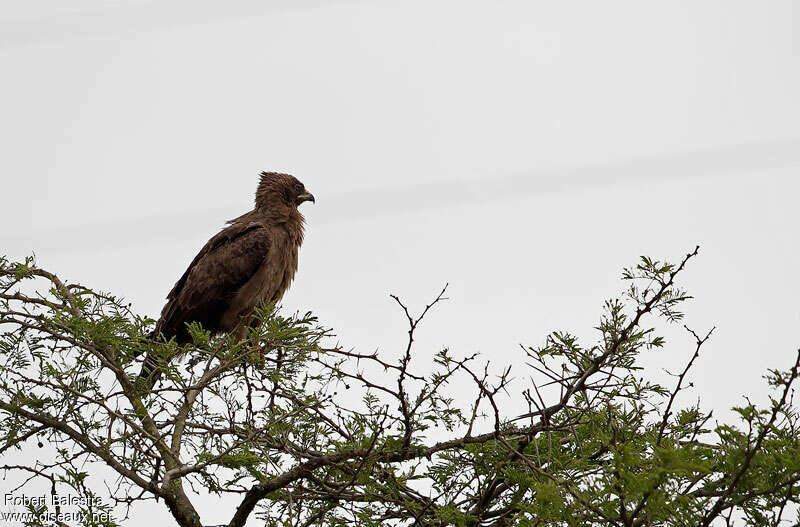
62 500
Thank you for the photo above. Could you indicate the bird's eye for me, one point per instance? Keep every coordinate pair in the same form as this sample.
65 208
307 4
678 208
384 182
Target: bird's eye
298 187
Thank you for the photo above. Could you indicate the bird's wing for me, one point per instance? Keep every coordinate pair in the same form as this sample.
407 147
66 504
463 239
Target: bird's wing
222 266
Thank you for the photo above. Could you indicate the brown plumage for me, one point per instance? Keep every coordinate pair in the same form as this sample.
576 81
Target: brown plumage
252 261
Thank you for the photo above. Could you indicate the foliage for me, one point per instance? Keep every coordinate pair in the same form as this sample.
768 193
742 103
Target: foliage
305 433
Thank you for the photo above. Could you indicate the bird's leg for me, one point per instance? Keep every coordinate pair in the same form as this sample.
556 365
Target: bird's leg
240 331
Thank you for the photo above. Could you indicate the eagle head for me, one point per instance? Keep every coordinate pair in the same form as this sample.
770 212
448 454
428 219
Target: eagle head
276 189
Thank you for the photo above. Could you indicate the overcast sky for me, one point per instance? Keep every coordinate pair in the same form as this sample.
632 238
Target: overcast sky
524 152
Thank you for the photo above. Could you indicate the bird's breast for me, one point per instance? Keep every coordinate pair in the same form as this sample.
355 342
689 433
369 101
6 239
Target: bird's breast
269 282
278 270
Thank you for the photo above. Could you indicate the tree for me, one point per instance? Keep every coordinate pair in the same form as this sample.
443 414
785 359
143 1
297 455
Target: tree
305 433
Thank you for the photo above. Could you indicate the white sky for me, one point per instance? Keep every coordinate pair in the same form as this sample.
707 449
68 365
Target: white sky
521 151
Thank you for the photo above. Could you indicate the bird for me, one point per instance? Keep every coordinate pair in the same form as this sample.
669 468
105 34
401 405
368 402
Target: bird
250 262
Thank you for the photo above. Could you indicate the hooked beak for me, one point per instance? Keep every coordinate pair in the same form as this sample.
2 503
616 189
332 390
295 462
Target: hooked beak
307 196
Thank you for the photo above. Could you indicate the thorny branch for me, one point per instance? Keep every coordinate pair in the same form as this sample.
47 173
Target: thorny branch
308 433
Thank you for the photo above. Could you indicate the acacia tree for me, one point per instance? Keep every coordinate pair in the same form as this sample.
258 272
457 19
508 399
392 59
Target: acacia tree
306 433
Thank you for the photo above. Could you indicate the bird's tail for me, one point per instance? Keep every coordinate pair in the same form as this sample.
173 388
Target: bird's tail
149 374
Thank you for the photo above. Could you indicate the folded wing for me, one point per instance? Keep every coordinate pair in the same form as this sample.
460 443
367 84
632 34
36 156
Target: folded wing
206 289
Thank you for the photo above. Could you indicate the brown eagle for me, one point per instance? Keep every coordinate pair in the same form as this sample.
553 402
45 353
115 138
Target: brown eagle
251 261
